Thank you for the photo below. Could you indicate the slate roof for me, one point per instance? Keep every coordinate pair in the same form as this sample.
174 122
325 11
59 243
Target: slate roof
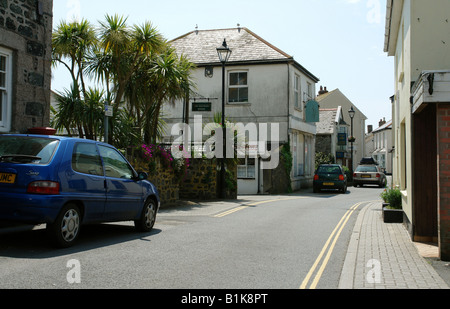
200 46
386 126
327 121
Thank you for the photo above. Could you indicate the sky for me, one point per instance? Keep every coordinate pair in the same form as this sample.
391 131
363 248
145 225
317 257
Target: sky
339 41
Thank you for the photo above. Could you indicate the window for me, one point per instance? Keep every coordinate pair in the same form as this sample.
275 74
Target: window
238 87
86 160
5 89
298 153
308 94
29 150
246 168
297 92
115 164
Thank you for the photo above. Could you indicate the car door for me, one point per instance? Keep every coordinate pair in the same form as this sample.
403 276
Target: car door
123 191
87 182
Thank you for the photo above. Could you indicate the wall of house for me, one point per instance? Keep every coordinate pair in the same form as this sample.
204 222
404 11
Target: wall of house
402 111
443 164
422 44
337 98
271 102
25 30
267 104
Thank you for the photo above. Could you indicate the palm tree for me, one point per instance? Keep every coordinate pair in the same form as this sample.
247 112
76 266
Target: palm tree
170 80
137 67
71 45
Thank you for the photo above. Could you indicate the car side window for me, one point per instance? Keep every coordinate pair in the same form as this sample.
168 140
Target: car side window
86 159
115 164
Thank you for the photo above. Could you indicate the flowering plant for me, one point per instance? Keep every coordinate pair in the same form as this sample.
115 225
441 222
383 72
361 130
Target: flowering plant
151 152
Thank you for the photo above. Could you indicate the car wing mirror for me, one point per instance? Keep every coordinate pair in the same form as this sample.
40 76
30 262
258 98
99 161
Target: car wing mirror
142 176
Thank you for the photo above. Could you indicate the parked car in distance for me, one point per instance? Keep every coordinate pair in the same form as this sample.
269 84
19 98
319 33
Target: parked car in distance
368 161
330 177
369 174
66 182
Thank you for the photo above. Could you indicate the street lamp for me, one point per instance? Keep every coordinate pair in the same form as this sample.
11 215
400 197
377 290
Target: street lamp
224 55
351 113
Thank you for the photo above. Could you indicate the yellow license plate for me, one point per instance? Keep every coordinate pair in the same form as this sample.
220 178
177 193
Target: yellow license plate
328 183
365 176
7 178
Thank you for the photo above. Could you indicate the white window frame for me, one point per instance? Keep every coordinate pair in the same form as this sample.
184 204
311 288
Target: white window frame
250 170
297 92
238 86
6 91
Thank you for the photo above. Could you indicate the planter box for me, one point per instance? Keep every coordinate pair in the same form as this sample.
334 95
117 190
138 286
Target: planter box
392 215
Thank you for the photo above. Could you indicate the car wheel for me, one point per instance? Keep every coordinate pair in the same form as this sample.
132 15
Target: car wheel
66 228
148 217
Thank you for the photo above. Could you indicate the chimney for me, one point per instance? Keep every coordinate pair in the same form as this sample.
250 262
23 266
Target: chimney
322 90
382 122
369 129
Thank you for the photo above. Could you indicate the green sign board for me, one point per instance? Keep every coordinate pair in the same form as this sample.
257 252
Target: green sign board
312 111
201 107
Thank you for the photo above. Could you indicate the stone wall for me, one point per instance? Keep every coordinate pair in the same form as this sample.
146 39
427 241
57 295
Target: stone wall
323 143
26 30
200 181
164 179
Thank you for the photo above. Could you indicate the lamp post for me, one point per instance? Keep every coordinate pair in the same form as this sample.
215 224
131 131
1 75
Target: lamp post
224 55
351 113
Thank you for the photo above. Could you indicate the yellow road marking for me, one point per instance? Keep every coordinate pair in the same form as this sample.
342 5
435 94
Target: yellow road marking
336 233
229 212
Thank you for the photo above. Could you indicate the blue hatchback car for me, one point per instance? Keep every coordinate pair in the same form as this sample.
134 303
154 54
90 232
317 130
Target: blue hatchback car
66 182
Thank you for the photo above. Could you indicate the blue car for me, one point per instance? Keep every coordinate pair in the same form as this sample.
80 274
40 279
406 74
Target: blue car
66 182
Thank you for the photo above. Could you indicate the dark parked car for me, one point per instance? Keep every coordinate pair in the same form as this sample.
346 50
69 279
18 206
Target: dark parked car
66 182
369 174
368 161
330 176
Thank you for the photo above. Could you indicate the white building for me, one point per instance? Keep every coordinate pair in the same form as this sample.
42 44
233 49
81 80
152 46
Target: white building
381 145
264 85
417 36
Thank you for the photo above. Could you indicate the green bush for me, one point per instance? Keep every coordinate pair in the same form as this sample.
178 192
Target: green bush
393 197
324 158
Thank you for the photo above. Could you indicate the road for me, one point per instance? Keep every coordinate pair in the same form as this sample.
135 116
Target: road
265 242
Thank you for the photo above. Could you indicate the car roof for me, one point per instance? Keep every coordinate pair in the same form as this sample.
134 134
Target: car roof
57 137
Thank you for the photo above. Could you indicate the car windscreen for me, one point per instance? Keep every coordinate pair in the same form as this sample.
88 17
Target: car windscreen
27 149
366 169
329 170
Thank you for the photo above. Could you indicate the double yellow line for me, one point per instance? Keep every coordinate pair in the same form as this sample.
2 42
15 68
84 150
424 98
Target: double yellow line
328 249
229 212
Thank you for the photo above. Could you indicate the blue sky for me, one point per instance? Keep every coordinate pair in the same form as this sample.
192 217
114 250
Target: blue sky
339 41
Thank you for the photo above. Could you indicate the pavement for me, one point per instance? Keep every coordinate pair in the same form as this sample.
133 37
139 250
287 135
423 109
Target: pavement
383 256
380 255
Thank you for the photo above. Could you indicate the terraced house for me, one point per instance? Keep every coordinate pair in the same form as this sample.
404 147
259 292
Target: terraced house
263 84
25 64
418 36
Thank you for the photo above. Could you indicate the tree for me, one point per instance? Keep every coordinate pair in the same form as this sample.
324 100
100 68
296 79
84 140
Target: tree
71 45
137 68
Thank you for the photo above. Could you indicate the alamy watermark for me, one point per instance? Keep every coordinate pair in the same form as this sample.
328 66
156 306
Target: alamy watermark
239 141
74 274
374 274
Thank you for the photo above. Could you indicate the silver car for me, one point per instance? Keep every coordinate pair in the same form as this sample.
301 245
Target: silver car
369 174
